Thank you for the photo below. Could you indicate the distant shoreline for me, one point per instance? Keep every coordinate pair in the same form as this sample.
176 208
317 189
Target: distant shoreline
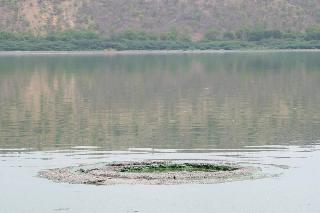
146 52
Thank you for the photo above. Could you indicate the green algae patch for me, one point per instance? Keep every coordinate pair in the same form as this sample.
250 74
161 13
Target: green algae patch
185 167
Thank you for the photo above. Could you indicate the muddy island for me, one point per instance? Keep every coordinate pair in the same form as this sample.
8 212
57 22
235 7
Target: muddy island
150 173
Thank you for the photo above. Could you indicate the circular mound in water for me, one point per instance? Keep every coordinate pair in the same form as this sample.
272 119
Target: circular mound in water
150 172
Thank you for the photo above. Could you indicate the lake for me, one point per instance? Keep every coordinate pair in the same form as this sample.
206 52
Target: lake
254 108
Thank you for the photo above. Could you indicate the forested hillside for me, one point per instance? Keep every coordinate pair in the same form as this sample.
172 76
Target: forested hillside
190 17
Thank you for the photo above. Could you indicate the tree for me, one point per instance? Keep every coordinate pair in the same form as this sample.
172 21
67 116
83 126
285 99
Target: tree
313 33
211 35
228 36
6 35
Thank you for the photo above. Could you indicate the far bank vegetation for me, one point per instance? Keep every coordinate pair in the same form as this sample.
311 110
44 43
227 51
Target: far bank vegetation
172 40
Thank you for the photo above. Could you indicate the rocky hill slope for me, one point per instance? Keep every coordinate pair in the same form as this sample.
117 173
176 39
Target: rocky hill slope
194 17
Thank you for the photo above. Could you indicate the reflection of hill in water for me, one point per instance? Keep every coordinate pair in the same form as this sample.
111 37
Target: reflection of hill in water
203 101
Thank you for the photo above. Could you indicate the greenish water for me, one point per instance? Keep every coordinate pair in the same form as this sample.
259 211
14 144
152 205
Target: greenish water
218 100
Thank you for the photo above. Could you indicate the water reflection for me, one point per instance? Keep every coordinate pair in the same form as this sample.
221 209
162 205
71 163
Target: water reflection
182 101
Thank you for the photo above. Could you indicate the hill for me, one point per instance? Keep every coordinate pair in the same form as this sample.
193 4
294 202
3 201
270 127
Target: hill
191 17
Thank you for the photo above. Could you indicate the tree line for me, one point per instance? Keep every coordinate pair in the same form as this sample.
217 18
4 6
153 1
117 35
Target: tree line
172 40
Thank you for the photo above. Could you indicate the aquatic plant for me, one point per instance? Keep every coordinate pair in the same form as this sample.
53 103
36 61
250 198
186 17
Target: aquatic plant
166 167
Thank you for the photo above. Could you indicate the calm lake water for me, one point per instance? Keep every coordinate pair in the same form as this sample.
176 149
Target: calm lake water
253 108
163 101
